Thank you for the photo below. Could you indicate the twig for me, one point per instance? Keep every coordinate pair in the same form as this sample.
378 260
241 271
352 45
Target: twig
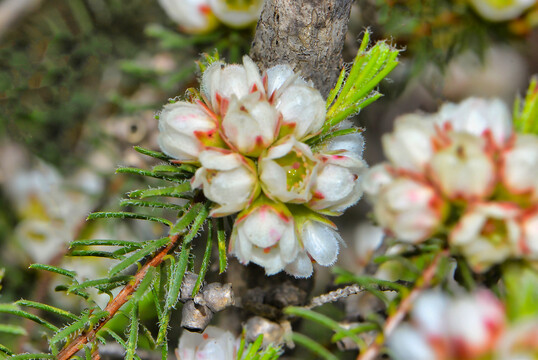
403 308
116 303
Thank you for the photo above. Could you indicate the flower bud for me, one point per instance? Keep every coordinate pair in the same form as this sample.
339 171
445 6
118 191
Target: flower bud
227 179
478 117
237 14
351 145
463 170
250 124
519 164
337 185
193 16
529 244
320 241
185 129
487 234
265 235
287 171
410 146
410 210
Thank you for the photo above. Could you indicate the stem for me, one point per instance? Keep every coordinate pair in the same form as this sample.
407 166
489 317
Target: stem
405 305
115 304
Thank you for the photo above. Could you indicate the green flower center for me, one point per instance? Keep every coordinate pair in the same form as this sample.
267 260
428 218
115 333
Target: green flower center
298 169
495 231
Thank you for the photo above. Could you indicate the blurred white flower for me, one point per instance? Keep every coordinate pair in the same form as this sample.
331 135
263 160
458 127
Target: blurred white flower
375 179
288 170
265 235
410 145
495 10
183 130
228 179
487 234
529 241
192 16
478 117
441 328
367 239
212 344
237 13
463 169
519 171
410 210
337 184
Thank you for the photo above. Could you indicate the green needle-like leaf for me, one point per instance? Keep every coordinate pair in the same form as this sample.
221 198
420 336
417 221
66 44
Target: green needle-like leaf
133 333
54 269
114 281
221 238
154 154
47 308
178 191
312 345
205 260
12 329
14 310
127 215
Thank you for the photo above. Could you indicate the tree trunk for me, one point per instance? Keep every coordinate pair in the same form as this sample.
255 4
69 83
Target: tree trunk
307 34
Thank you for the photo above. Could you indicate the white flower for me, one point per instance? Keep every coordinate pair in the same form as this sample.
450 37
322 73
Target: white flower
193 16
250 124
237 14
375 179
320 241
410 145
212 344
337 185
495 10
265 235
487 234
519 171
529 243
183 130
410 210
463 169
287 171
228 179
301 106
478 117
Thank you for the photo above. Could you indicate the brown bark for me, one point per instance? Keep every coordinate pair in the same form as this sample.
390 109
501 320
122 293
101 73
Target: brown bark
307 34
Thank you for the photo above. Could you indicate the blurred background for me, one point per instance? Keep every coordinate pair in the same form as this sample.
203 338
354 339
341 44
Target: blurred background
81 82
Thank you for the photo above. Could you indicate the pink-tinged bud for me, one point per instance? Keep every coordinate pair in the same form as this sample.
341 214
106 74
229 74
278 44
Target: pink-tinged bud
302 109
265 235
212 344
228 179
185 129
193 16
463 169
487 234
351 145
375 179
519 171
250 124
337 184
409 210
237 14
287 171
479 117
410 145
220 82
528 247
474 324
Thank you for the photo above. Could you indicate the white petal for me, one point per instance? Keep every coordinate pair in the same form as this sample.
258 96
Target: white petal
301 267
321 242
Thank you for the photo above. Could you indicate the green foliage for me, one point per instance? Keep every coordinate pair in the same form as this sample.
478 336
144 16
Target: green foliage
526 110
254 351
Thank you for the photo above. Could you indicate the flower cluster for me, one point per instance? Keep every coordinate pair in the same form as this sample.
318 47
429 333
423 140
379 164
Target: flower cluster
463 173
249 133
464 328
203 16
